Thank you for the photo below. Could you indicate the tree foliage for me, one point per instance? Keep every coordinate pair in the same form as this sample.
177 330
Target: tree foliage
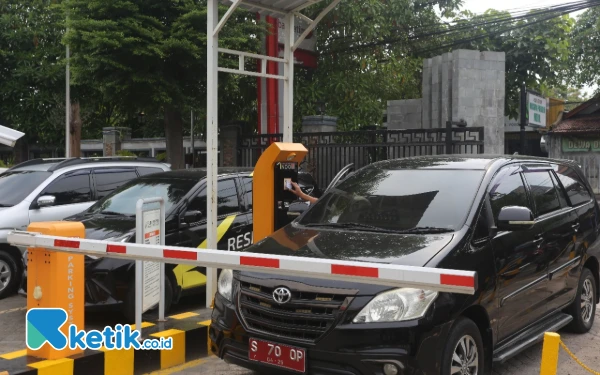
585 59
32 68
537 50
358 70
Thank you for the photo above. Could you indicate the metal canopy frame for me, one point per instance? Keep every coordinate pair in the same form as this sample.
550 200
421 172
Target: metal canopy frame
286 9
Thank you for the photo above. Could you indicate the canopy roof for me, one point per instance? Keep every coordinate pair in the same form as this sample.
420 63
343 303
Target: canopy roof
275 8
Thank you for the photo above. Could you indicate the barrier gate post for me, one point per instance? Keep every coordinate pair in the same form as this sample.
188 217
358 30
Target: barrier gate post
56 280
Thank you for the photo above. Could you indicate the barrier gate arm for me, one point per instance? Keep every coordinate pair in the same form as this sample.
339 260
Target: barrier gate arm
441 280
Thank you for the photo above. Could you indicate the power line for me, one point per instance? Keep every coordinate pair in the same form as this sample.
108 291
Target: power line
553 12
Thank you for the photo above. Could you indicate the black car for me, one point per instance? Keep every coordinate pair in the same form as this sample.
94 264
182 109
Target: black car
527 226
109 282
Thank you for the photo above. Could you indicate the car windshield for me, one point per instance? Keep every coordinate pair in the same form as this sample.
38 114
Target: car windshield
417 201
15 186
123 200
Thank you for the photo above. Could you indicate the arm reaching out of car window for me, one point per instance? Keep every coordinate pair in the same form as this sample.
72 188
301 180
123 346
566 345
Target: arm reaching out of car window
300 194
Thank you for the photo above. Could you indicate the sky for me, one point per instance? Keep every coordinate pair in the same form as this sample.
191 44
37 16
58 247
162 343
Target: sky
480 6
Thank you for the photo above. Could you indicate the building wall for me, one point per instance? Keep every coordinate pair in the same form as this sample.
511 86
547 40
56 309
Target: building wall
588 161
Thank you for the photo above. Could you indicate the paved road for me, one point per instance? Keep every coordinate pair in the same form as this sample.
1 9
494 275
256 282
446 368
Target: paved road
586 347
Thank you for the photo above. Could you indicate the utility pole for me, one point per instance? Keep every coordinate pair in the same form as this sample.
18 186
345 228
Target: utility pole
68 107
523 114
192 137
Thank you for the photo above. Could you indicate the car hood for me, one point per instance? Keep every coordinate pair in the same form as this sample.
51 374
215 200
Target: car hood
401 249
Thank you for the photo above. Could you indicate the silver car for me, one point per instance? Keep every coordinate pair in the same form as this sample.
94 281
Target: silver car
53 189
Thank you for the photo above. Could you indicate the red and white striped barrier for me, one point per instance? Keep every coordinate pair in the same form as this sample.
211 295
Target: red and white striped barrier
443 280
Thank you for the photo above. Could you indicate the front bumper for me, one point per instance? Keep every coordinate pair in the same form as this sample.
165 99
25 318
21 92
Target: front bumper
345 350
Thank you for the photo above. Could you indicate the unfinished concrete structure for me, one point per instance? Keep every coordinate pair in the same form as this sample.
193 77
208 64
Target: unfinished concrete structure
462 85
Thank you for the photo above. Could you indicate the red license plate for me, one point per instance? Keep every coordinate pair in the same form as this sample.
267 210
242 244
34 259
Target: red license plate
280 355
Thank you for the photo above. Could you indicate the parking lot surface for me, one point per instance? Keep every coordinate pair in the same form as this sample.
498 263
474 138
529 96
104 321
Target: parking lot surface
586 347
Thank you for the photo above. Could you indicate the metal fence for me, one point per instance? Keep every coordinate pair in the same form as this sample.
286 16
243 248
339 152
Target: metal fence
330 152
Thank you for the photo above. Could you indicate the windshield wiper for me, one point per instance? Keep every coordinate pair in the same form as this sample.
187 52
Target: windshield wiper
425 230
113 213
352 226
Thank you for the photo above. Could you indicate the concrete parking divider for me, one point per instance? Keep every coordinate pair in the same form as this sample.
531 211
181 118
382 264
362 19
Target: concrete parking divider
189 330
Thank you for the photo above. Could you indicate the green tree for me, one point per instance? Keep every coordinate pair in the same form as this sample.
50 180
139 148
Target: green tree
585 61
32 70
150 56
365 59
537 50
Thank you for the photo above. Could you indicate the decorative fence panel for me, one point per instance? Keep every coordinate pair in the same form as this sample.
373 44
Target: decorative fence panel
330 152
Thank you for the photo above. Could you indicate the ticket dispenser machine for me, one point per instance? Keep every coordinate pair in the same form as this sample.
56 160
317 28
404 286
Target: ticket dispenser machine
275 170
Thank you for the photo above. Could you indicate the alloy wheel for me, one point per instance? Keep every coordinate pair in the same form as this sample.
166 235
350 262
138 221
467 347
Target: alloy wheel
587 300
465 358
5 275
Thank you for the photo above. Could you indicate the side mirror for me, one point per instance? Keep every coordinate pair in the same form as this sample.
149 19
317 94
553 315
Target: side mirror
515 218
46 201
192 216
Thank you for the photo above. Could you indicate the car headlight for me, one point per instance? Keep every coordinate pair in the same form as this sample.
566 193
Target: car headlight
397 305
225 284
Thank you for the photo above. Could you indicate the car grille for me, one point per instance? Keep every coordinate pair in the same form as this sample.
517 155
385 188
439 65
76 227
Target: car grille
305 318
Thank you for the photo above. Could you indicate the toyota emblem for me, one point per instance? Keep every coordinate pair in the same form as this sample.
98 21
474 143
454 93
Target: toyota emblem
282 295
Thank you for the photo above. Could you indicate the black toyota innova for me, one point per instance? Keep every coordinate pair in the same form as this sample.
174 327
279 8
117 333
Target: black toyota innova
527 226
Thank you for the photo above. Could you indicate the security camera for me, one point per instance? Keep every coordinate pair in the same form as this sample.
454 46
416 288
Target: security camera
9 136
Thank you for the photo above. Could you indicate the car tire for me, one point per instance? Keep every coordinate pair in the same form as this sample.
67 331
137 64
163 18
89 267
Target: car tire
583 308
464 349
129 303
9 275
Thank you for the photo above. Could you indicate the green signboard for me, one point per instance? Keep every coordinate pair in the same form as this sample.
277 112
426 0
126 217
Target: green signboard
580 145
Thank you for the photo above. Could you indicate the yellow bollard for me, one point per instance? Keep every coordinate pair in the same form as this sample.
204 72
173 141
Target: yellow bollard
55 280
550 353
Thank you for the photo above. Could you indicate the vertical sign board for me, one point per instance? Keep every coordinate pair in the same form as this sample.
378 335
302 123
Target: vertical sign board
151 270
536 110
149 276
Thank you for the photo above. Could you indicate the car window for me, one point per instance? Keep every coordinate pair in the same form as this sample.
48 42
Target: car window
123 200
508 190
481 227
560 191
543 191
71 188
398 199
144 171
247 182
15 186
109 179
227 199
576 189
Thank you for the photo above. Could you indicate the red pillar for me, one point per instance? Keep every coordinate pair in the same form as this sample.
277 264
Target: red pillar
272 84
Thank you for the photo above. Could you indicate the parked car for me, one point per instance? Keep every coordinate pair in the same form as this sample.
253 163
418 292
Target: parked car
110 281
528 227
52 189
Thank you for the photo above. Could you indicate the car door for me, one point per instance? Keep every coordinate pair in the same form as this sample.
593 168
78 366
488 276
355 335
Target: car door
343 173
557 219
230 230
106 180
582 201
521 278
72 192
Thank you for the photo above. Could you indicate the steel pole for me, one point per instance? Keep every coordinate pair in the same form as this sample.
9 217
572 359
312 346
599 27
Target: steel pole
288 83
212 129
68 105
523 122
192 137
